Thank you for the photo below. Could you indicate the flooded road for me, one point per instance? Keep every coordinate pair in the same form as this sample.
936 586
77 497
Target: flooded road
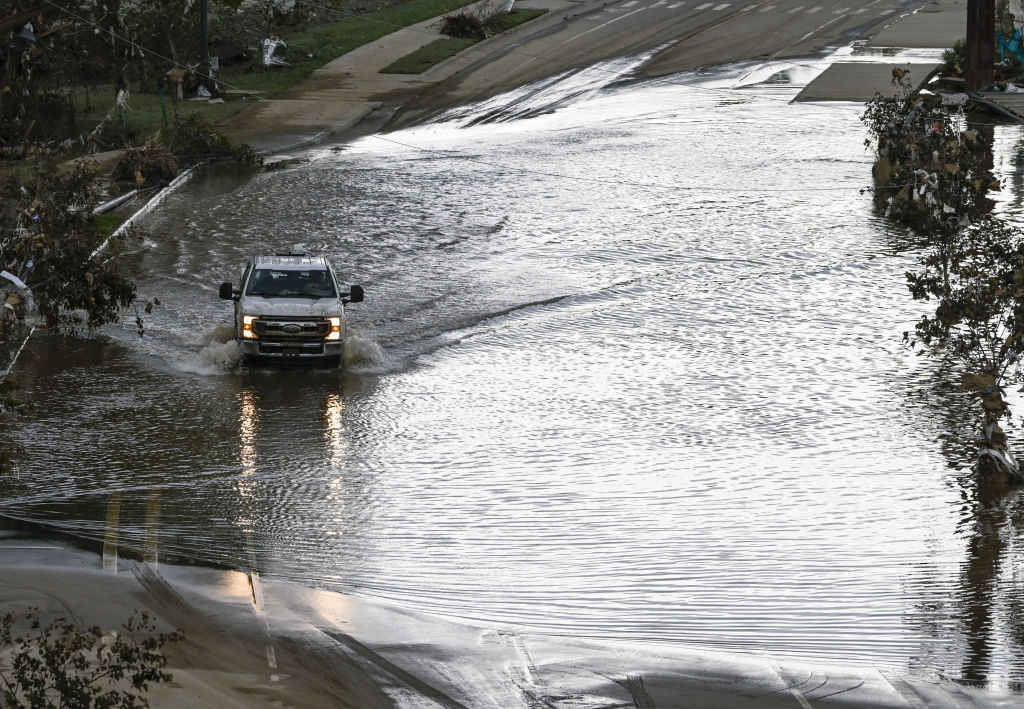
629 366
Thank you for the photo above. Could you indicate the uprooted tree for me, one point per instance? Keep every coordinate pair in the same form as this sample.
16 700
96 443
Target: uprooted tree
49 239
931 176
61 665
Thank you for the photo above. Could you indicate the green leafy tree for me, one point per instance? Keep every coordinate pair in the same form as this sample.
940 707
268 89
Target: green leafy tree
49 240
61 666
977 280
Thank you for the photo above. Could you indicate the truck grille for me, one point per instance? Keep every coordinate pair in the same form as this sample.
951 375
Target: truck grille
292 329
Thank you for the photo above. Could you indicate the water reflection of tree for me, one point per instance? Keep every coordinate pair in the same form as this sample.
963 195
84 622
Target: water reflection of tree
989 522
971 615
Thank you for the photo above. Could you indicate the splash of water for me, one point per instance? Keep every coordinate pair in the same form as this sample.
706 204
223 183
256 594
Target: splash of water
364 355
218 353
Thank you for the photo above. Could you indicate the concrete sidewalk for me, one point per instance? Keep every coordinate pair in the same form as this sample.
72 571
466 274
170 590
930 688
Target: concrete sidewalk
936 25
254 642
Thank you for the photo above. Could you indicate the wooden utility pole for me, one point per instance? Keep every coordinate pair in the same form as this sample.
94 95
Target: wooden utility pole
981 44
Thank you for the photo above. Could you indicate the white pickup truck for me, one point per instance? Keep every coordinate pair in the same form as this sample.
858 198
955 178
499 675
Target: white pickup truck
290 307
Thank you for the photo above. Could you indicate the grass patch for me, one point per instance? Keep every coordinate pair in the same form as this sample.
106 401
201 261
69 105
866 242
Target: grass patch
329 41
145 118
428 55
103 225
441 49
507 20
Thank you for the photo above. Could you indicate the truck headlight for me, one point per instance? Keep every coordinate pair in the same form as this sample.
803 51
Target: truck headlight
247 332
335 333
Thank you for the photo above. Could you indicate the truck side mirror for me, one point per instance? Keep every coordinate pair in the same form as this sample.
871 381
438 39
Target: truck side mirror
355 294
226 292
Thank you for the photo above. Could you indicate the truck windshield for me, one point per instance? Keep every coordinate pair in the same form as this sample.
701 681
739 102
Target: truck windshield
280 283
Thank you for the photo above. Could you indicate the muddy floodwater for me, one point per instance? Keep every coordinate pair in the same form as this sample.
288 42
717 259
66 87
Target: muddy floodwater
629 366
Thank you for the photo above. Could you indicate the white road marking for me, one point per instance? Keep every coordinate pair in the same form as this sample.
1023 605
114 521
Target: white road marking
794 689
840 11
814 10
722 6
574 37
859 10
767 8
750 7
705 6
674 5
659 3
110 533
257 601
798 8
631 3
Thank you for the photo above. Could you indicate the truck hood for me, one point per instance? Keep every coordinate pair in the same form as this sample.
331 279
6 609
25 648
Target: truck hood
291 307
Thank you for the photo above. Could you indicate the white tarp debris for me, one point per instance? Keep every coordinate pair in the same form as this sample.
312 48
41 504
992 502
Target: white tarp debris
273 51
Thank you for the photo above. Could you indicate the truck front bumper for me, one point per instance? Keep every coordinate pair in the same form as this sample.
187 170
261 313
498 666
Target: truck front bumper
289 350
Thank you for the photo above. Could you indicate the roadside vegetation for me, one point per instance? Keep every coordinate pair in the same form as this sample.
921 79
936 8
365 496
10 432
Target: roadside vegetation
61 665
94 76
932 176
463 30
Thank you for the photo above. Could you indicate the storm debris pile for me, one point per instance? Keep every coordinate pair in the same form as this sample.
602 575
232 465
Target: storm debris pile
932 175
927 174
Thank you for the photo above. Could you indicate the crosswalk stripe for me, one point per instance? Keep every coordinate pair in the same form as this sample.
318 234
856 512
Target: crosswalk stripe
722 6
798 8
814 10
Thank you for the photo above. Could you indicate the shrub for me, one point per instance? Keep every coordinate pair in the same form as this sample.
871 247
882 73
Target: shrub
61 665
955 58
463 25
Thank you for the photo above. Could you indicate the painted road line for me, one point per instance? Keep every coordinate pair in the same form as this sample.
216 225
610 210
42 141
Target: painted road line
768 8
527 667
705 6
659 3
798 8
840 11
574 37
751 6
110 533
151 554
722 6
814 10
257 601
674 5
631 3
790 684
